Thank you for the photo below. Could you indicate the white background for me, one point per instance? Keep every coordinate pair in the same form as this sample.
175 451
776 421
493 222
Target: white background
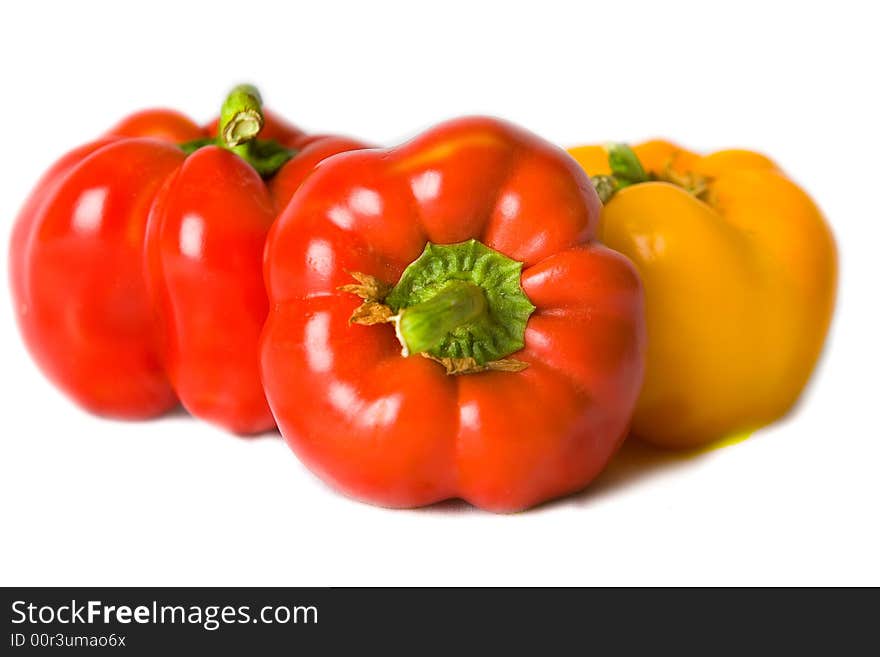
176 502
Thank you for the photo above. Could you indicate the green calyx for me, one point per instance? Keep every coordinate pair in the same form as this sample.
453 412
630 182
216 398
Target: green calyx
461 301
266 156
241 120
626 170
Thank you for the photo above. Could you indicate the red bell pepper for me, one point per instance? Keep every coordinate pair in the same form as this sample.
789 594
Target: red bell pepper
443 325
136 263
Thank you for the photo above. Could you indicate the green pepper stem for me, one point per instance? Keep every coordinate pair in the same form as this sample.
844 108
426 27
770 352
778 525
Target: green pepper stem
625 165
241 116
241 120
423 327
460 301
627 170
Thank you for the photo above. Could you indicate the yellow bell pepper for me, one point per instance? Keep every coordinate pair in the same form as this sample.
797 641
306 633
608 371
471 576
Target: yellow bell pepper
739 268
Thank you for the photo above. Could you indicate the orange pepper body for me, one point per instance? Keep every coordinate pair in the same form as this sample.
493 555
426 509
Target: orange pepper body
739 288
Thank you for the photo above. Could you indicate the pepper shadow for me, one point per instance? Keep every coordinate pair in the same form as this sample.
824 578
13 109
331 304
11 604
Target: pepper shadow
637 461
634 463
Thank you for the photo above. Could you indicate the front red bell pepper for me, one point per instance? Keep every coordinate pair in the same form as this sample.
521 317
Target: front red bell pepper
443 325
136 264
